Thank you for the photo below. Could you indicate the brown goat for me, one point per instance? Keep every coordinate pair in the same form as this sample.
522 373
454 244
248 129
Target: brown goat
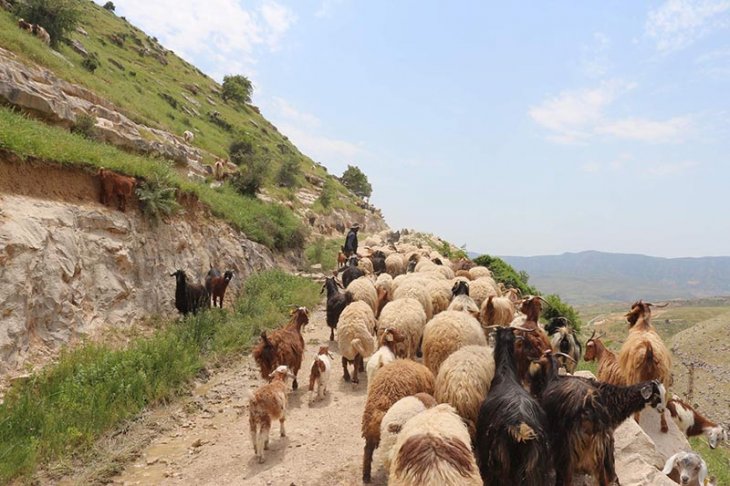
268 404
27 26
218 286
644 356
285 346
530 346
608 370
692 423
116 186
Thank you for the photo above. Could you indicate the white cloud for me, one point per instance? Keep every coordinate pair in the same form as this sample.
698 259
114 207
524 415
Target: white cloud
572 114
678 23
672 130
219 30
594 61
326 8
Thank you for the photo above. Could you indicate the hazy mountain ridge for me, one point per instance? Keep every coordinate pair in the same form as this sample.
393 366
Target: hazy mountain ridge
593 276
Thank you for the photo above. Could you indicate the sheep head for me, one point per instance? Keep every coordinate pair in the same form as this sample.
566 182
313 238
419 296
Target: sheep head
281 373
460 288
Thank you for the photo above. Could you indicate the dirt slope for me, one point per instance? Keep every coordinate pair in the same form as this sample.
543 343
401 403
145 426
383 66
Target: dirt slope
211 445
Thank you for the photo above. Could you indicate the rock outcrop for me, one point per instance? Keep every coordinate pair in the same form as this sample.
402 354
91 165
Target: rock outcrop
71 269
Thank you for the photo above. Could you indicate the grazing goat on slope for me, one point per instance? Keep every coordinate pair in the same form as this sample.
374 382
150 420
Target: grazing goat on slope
563 340
285 346
116 186
336 303
692 423
189 297
268 404
644 356
582 415
510 441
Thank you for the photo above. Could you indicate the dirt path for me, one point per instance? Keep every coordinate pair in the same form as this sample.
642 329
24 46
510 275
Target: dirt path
211 444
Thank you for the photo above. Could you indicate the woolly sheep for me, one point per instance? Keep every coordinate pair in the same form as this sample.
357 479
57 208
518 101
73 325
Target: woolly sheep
447 332
464 379
385 281
481 288
416 290
396 380
362 289
395 264
406 315
396 418
479 272
434 448
355 337
386 353
440 292
463 303
496 311
366 265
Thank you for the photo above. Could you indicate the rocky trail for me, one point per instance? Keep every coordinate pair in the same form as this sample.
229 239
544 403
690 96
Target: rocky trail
211 444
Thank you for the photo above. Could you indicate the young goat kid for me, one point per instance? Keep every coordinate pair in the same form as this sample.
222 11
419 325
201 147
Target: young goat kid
268 404
687 469
319 376
692 423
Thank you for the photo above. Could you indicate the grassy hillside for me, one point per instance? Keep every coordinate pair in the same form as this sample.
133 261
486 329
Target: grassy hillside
154 87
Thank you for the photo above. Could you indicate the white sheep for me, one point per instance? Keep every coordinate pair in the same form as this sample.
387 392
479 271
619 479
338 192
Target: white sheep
464 379
363 289
415 289
440 292
481 288
355 337
479 272
385 281
447 332
188 136
396 418
395 264
407 316
389 339
434 448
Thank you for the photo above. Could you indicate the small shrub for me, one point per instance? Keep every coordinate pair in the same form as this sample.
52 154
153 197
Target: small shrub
85 125
90 63
250 177
559 308
216 119
58 17
328 193
288 175
110 6
158 198
169 99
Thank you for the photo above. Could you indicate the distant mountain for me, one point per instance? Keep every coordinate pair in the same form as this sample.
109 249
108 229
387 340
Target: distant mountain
593 276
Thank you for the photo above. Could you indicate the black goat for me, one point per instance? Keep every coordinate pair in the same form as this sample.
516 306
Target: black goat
351 272
189 297
378 259
582 415
563 340
511 441
336 303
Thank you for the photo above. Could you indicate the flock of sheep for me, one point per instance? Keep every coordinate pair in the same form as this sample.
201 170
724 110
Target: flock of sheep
465 385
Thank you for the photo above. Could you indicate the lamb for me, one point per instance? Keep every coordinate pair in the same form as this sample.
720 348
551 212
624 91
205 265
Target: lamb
447 332
644 356
408 317
608 370
42 34
692 423
434 448
27 26
582 415
461 300
285 346
189 297
464 379
362 289
116 186
216 285
355 337
563 340
511 440
336 303
188 136
687 469
395 264
319 375
268 404
396 417
398 379
388 340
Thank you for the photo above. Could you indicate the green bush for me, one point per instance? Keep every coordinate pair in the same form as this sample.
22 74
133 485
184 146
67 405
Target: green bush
252 166
323 252
110 6
329 192
85 125
158 198
288 175
61 411
90 63
237 88
355 180
559 308
58 17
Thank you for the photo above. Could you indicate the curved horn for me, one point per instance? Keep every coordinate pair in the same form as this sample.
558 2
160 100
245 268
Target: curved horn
523 329
565 356
540 298
592 336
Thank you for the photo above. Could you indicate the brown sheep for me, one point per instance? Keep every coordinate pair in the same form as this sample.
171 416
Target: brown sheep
268 404
116 186
285 346
608 370
644 356
396 380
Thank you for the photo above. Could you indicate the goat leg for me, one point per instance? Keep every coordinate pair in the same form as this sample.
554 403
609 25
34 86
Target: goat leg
367 460
361 363
356 368
346 374
332 333
663 421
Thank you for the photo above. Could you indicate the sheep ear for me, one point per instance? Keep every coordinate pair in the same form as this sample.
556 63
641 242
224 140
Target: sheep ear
646 391
669 465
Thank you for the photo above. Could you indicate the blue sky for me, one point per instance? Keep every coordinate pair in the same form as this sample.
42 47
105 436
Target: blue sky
517 128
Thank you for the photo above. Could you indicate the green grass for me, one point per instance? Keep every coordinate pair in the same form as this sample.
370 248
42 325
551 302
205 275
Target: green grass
61 411
718 460
324 252
270 224
137 89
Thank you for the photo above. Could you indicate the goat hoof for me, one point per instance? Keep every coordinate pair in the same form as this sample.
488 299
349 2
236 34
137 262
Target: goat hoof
346 377
295 385
261 460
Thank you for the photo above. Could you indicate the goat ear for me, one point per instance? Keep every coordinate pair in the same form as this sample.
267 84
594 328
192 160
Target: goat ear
389 337
646 391
669 465
702 475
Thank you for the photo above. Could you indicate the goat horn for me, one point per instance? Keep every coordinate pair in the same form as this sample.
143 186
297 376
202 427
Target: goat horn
565 356
592 336
546 302
493 327
523 329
